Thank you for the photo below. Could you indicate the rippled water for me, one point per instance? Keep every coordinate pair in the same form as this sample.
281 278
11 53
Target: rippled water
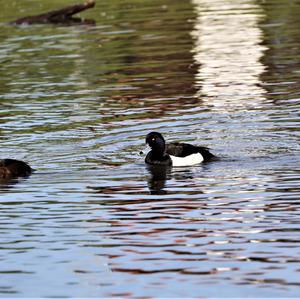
77 102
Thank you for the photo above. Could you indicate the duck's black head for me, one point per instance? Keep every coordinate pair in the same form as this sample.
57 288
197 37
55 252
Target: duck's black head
157 156
156 141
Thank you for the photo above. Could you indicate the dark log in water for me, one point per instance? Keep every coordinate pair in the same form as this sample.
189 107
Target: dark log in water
60 16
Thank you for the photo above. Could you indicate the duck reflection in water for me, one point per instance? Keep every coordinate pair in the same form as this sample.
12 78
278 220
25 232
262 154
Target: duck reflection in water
158 177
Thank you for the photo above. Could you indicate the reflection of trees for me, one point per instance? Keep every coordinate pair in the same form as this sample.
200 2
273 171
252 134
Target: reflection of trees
137 57
281 30
161 76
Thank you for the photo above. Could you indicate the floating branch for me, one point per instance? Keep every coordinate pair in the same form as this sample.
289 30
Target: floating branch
60 16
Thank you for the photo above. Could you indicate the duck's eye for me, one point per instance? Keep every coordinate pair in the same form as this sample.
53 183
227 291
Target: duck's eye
153 139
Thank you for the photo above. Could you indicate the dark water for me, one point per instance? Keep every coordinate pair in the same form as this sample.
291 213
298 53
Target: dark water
77 102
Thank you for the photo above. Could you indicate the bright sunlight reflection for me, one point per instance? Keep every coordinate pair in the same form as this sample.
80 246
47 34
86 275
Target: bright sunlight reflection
228 75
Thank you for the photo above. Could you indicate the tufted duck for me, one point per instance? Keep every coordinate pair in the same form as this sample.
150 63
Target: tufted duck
174 154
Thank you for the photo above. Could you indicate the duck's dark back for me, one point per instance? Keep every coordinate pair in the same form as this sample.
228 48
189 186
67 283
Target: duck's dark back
184 149
10 168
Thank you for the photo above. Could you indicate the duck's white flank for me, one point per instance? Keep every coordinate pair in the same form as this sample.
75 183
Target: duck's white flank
188 160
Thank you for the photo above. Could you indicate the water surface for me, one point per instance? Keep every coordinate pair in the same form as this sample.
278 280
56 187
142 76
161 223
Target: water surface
77 102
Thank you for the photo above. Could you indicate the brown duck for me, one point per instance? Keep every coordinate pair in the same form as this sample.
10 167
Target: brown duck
10 168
